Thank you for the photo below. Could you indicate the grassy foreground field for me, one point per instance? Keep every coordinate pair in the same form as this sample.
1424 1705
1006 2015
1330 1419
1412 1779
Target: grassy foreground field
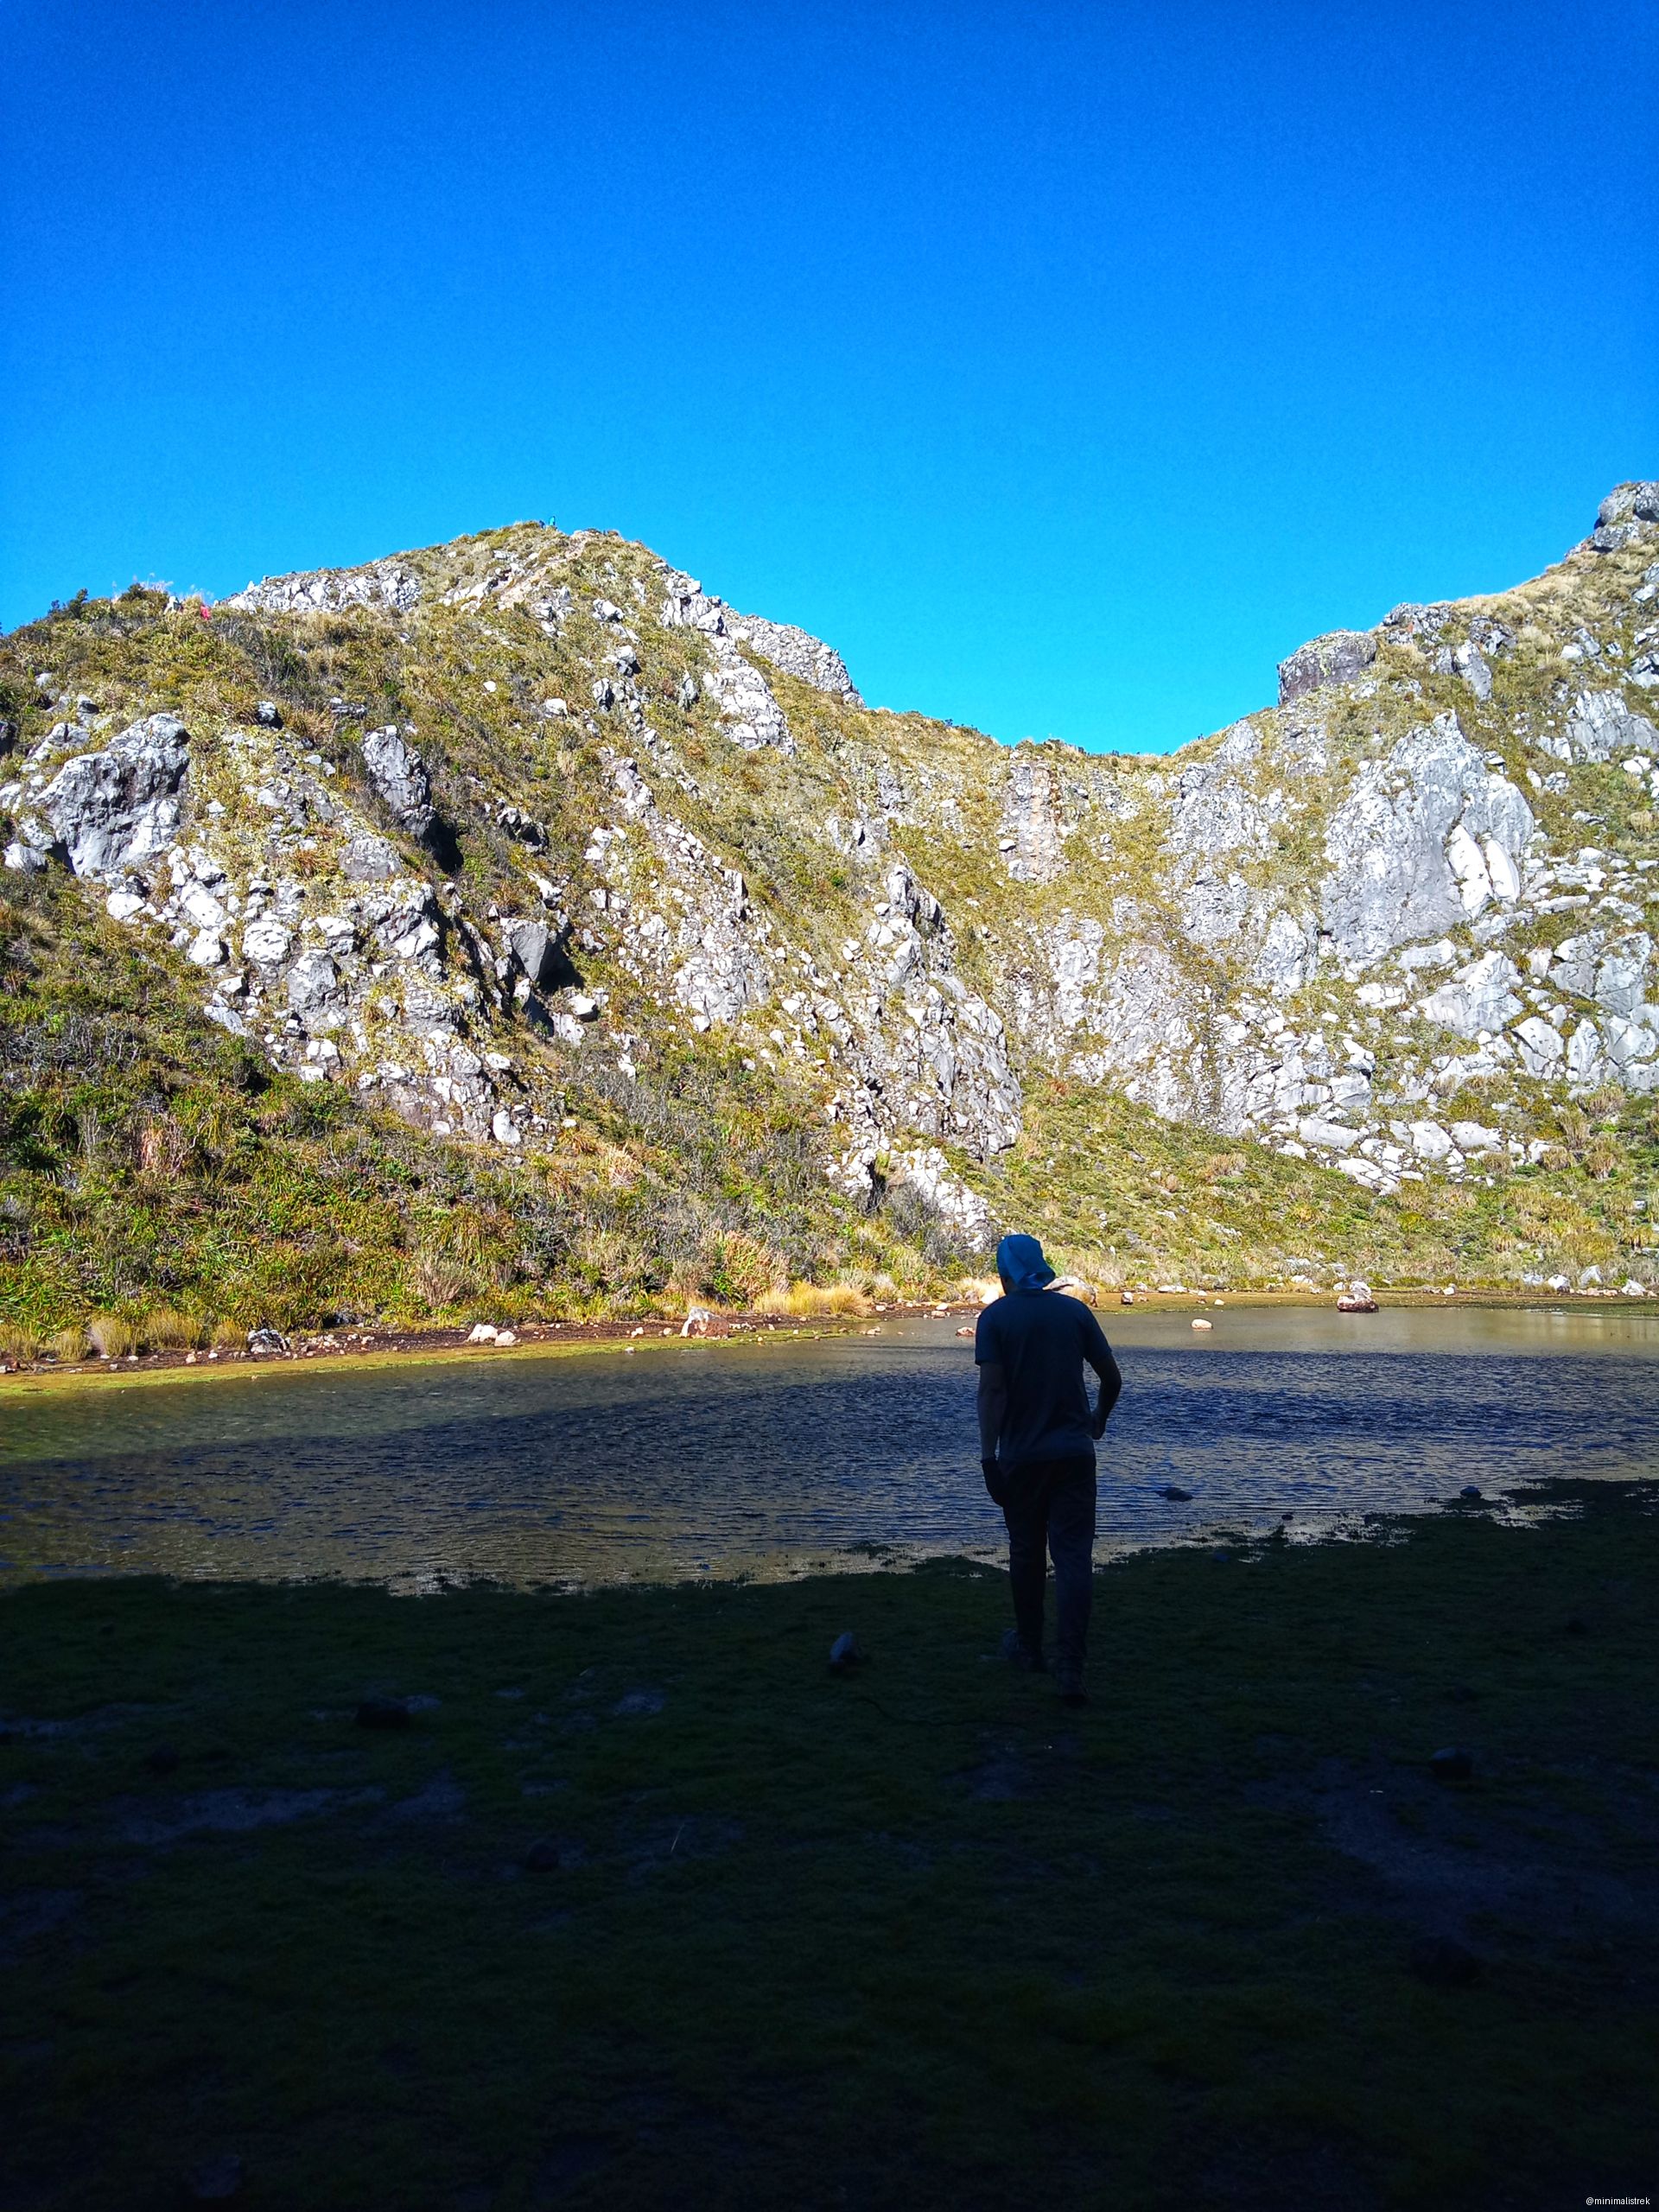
645 1907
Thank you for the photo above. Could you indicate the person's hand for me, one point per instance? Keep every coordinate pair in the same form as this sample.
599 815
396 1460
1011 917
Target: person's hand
994 1482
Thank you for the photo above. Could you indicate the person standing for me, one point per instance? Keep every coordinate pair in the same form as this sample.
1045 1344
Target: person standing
1037 1437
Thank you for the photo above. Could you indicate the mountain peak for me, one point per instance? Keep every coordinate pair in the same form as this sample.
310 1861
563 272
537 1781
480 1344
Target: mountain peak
530 833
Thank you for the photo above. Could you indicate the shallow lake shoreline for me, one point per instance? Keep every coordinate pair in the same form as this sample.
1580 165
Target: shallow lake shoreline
642 1903
383 1346
777 1451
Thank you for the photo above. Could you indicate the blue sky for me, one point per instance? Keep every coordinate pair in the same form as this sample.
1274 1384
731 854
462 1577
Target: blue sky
1066 366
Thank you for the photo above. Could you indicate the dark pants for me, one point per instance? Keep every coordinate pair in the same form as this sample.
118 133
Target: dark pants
1052 1501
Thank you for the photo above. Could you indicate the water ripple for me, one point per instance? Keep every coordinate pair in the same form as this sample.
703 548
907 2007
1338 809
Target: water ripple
763 1458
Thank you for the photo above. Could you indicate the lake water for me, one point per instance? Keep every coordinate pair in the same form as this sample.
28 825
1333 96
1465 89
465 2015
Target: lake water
775 1455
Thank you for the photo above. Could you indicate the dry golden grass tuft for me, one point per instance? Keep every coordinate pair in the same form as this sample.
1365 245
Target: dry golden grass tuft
810 1301
111 1337
166 1329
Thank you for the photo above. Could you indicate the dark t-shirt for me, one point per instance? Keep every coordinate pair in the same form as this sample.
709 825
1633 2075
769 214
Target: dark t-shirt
1041 1338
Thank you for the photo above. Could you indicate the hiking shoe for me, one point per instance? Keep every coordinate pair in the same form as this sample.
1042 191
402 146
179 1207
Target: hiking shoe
1071 1690
1021 1656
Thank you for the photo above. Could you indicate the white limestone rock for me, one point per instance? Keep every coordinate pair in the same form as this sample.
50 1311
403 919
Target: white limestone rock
797 653
1033 836
1338 658
115 810
1541 1046
534 949
1287 953
1471 1137
1625 517
926 1170
1407 847
399 774
1600 725
1478 997
312 985
752 718
387 585
1329 1137
1611 971
266 941
1215 812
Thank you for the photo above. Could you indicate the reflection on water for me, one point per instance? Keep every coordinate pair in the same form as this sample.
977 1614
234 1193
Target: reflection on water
764 1456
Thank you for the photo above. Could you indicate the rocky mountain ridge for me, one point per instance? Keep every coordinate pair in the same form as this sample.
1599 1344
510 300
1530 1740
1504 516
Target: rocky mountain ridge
475 827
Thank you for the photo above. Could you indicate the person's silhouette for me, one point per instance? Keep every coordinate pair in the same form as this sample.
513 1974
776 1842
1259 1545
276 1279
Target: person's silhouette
1036 1436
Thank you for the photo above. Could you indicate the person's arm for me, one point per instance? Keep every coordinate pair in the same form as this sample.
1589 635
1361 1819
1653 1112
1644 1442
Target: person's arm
1098 1353
993 1409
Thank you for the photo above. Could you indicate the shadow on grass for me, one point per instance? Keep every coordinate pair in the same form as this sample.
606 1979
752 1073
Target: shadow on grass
642 1905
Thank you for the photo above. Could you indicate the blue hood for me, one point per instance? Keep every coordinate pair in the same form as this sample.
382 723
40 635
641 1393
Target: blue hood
1021 1263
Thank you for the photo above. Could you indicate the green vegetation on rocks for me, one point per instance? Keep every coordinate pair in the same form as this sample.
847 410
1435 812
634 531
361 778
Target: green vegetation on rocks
511 923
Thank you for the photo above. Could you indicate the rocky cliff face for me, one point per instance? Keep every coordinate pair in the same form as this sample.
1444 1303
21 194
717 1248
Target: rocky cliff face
452 828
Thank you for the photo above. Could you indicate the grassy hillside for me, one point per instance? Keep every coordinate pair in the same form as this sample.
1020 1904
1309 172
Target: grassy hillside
157 1169
154 1169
